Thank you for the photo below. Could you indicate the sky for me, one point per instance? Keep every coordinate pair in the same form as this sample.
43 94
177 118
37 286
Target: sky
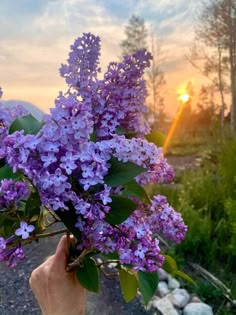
35 36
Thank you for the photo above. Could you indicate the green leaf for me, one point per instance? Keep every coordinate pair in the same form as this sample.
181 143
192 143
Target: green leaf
28 123
93 137
8 225
88 275
148 282
120 131
69 218
121 209
7 172
129 284
33 204
121 173
184 276
170 265
113 255
156 137
132 188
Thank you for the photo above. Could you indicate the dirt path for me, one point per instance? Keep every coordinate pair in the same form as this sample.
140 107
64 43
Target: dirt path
183 162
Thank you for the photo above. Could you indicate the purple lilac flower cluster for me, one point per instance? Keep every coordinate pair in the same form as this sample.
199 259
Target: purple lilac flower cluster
11 252
166 220
11 192
69 158
7 115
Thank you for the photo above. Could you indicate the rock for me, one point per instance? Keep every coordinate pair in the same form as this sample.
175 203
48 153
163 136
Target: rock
151 303
197 309
162 288
196 299
179 298
162 275
173 283
154 301
165 307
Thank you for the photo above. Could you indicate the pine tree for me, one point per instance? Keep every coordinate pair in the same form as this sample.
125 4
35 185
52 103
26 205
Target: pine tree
136 36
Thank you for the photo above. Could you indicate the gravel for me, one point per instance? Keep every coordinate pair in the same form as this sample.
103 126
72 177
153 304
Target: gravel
16 298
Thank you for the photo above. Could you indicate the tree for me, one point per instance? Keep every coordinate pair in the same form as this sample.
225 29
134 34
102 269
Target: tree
136 36
155 82
206 112
208 54
216 30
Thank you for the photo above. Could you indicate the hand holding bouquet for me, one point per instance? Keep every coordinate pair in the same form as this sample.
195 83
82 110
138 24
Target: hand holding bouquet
86 165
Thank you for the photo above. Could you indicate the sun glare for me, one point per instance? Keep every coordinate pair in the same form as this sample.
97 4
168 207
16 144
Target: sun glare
184 98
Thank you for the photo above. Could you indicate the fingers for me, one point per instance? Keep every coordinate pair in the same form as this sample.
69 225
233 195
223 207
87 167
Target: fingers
62 251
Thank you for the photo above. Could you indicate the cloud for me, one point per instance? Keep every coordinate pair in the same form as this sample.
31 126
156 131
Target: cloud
34 41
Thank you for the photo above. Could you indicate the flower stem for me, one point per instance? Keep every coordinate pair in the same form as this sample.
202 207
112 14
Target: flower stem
50 234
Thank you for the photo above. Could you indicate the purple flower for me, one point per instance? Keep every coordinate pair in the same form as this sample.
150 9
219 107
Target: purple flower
104 195
68 159
24 230
11 192
68 162
48 159
3 244
10 253
166 220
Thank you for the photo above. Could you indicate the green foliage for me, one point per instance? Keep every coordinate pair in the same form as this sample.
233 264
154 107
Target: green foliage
206 197
88 275
157 138
148 282
32 205
28 123
132 188
128 283
6 172
171 267
69 217
213 296
121 209
121 173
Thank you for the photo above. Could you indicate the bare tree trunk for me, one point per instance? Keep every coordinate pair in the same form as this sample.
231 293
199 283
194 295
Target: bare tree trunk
232 57
221 90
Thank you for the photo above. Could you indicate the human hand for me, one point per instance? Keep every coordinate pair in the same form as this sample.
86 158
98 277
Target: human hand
57 291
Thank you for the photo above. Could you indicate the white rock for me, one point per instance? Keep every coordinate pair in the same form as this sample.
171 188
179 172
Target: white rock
154 301
197 309
195 299
173 283
179 298
162 288
162 274
165 307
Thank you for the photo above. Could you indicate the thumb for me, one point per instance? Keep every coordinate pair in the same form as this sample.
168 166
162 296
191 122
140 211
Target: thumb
62 252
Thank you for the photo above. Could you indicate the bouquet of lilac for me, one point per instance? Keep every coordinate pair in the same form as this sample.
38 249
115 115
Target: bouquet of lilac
86 165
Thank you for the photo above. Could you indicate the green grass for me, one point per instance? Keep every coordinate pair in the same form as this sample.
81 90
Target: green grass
206 197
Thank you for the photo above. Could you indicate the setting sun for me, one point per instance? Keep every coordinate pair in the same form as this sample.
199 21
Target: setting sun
184 98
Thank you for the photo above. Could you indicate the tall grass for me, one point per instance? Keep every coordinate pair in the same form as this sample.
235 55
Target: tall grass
206 197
